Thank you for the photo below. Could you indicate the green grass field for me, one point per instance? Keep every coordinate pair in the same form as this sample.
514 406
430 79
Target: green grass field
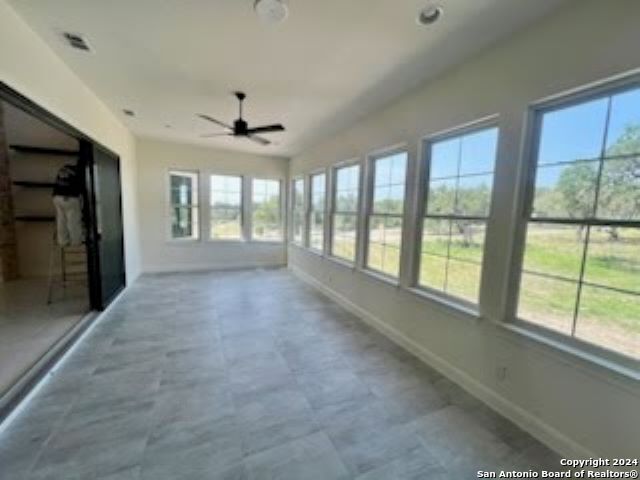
609 263
606 317
231 230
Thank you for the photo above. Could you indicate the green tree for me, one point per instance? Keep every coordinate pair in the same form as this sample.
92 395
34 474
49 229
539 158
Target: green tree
266 215
577 184
619 190
620 185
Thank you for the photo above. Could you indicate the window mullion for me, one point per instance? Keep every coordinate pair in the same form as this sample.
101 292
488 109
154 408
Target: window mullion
246 208
576 309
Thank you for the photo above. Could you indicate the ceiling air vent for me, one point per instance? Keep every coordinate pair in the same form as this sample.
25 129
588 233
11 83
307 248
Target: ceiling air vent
76 41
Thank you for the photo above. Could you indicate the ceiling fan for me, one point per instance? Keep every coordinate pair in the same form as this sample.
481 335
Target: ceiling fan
241 128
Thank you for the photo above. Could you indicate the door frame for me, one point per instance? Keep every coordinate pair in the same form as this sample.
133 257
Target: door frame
96 292
86 146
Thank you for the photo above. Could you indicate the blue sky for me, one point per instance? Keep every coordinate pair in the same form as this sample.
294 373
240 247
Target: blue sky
578 132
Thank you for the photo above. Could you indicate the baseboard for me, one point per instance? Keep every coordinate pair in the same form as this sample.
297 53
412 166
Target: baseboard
190 267
544 432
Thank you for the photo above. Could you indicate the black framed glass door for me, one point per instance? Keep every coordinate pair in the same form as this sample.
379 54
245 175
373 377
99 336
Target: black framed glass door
105 236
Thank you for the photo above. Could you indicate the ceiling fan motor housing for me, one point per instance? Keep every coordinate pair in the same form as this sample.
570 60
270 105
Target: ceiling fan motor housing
240 127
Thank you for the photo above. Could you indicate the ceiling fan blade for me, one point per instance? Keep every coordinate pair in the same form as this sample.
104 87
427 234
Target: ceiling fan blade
257 139
267 129
211 135
213 120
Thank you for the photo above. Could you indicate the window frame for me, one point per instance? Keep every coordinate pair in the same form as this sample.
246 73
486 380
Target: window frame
194 175
281 210
309 210
243 217
368 190
422 191
525 195
292 202
332 209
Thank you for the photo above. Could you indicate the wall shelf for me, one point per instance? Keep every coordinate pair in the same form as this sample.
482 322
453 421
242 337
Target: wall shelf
35 218
44 151
31 184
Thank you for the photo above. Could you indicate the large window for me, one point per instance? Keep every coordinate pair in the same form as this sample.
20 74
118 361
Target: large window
183 204
297 211
317 211
459 180
266 220
346 195
226 207
385 212
581 267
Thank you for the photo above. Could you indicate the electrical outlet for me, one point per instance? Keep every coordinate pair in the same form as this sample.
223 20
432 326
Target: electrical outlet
501 373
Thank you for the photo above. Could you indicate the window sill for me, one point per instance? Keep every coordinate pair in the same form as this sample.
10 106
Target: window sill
266 242
341 262
465 311
233 241
315 252
569 346
381 277
182 241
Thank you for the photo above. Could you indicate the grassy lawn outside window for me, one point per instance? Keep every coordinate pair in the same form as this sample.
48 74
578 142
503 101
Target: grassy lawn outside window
581 267
226 207
458 186
346 198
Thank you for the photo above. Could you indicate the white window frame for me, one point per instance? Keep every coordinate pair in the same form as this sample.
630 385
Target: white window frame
371 158
422 191
602 356
292 195
281 210
310 211
333 191
243 216
196 178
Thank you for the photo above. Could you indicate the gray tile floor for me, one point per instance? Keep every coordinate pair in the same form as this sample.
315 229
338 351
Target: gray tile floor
29 326
250 375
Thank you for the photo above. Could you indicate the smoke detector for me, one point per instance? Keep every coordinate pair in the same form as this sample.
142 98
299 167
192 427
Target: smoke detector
271 12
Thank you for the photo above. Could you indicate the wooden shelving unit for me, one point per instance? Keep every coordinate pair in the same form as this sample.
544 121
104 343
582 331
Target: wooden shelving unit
44 151
35 218
31 184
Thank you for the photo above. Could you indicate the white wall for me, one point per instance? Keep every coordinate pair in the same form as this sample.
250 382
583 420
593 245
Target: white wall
29 66
160 254
572 404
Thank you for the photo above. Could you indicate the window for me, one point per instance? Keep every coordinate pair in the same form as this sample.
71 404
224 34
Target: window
384 222
183 203
317 211
266 208
581 266
226 207
459 181
297 216
346 197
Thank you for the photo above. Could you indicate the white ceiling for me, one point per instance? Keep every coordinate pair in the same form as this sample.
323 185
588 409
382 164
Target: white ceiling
24 129
329 64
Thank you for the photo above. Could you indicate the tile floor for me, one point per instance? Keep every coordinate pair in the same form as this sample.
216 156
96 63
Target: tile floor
250 375
29 327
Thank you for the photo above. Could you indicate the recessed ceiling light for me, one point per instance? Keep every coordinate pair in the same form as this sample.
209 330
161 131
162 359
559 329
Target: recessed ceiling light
271 12
429 14
129 113
77 41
